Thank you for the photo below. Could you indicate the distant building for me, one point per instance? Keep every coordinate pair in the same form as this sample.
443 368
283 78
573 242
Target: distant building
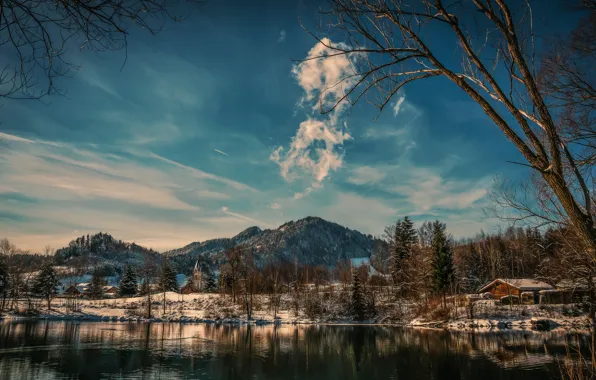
358 262
502 287
194 284
110 291
72 291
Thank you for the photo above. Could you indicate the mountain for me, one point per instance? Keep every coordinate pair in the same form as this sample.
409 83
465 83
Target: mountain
311 240
104 252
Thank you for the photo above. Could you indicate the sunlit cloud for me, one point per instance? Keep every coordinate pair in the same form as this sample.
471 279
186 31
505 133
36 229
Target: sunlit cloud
317 147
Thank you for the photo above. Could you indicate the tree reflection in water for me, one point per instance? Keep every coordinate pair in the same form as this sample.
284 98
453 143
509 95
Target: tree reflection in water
40 350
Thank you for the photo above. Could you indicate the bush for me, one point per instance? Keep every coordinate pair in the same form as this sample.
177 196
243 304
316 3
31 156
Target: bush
312 307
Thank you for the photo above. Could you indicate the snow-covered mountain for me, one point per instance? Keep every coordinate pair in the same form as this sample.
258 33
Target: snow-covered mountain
310 240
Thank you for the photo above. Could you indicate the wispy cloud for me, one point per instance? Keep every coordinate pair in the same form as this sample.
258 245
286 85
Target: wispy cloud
201 174
227 211
282 36
91 76
366 175
398 103
64 187
220 152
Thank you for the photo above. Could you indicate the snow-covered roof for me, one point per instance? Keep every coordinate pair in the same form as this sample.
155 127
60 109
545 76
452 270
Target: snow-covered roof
520 283
577 284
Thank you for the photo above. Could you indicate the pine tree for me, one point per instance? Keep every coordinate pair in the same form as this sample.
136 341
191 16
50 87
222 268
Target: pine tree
474 276
209 283
357 304
443 270
96 285
46 282
168 281
128 282
404 238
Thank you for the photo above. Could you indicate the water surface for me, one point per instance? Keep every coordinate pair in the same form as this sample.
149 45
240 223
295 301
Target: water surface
91 350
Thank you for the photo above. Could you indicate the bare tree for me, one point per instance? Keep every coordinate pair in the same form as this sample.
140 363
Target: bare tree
36 36
390 44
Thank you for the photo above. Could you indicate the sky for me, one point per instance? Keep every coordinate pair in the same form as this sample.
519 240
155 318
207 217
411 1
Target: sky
211 127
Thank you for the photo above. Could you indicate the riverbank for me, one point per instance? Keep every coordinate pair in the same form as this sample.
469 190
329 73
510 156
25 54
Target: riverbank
219 309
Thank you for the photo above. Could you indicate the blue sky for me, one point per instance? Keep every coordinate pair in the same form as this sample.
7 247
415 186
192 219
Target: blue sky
209 128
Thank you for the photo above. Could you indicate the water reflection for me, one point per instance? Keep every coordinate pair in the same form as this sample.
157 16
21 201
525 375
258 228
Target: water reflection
71 350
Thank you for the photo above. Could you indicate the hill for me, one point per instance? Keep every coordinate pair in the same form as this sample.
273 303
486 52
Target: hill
312 241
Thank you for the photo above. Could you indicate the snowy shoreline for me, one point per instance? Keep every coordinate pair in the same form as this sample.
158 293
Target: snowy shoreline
210 308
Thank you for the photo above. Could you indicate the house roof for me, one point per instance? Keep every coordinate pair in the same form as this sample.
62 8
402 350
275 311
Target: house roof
522 284
571 284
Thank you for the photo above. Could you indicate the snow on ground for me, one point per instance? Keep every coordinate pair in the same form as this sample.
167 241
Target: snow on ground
488 314
207 307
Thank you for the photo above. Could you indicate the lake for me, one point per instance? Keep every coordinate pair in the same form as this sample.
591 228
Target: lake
93 350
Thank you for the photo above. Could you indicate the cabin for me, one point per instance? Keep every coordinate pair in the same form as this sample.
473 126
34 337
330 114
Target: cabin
83 288
110 291
72 291
503 287
567 291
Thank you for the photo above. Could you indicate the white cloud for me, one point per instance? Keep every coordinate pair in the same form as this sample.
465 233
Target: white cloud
282 36
301 194
317 147
327 78
314 149
365 175
398 104
275 206
220 152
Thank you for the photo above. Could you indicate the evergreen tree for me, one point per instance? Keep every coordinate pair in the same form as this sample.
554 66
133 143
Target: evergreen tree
128 282
404 237
443 270
96 285
473 270
209 283
357 304
46 282
167 280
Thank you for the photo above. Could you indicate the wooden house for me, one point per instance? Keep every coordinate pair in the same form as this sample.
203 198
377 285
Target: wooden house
502 287
72 291
110 291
